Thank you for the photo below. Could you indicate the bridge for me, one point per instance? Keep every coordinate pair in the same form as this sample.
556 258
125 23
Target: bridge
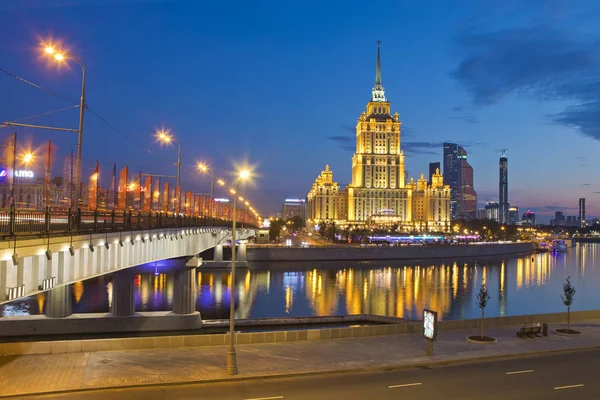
48 250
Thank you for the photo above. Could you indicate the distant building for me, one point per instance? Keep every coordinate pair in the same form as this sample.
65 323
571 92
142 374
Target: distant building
492 211
294 208
513 215
433 167
481 213
458 174
503 190
528 218
582 212
559 219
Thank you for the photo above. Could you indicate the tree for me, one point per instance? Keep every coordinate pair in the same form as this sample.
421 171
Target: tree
295 223
322 228
567 298
275 229
482 300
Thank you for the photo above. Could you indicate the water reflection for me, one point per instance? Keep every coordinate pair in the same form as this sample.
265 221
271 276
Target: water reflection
521 285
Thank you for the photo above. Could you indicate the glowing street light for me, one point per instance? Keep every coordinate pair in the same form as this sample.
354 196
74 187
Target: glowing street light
27 158
232 368
61 57
165 137
204 168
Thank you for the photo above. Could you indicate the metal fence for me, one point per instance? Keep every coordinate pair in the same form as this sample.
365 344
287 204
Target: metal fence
36 222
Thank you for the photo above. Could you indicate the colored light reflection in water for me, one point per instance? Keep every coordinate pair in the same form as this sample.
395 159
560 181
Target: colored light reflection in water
520 285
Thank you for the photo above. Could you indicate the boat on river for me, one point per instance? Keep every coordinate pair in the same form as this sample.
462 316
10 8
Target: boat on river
559 245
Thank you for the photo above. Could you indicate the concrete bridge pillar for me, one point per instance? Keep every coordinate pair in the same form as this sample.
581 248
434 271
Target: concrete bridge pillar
58 304
218 253
184 291
240 255
123 304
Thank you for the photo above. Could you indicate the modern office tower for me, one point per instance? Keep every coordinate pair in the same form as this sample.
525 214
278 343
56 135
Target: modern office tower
452 176
293 208
481 213
458 174
433 167
503 189
528 218
582 212
559 219
513 215
492 211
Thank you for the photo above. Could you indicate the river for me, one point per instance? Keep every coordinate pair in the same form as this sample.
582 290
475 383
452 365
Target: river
517 285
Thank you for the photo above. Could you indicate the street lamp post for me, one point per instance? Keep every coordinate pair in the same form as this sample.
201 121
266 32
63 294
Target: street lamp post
232 368
63 57
166 138
204 168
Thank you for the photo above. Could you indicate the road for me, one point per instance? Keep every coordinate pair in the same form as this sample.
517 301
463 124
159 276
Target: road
563 376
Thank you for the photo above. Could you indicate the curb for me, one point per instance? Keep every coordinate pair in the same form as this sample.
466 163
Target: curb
455 361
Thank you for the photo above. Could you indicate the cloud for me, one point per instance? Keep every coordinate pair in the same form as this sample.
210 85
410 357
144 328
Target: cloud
586 184
555 208
596 192
347 143
539 62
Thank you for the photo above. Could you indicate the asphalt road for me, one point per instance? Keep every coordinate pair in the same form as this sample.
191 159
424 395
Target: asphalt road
565 376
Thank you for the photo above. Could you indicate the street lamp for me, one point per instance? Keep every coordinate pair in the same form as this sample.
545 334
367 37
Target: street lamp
204 168
166 138
232 368
61 57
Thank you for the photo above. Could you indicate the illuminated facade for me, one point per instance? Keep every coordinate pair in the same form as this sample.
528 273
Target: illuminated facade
325 201
378 194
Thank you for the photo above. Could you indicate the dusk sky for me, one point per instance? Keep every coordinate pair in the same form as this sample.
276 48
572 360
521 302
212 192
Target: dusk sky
280 85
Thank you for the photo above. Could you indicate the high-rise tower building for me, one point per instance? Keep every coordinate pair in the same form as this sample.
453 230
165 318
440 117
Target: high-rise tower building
582 212
452 176
378 194
458 174
503 190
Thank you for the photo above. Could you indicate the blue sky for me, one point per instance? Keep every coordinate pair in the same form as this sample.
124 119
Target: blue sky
281 84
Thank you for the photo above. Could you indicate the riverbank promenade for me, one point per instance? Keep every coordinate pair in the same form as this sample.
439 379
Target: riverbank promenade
146 370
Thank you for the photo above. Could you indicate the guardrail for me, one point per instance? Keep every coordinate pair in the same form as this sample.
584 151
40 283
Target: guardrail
44 222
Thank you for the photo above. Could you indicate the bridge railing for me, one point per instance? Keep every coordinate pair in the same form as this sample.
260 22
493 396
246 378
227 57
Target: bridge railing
44 222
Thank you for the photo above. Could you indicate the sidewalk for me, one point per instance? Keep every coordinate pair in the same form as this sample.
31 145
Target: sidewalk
64 372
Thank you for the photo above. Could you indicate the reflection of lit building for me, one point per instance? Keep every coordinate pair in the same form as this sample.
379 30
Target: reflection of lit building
378 194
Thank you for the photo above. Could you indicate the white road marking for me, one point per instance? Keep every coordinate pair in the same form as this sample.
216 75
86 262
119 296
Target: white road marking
519 372
266 398
568 387
404 385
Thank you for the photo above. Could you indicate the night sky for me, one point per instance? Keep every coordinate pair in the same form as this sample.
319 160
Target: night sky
280 85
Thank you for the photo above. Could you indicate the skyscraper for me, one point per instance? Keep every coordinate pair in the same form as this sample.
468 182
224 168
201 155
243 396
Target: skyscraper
379 195
433 167
513 215
452 176
458 174
503 190
582 212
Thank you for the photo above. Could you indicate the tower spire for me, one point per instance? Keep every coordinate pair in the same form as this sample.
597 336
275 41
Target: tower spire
378 92
378 70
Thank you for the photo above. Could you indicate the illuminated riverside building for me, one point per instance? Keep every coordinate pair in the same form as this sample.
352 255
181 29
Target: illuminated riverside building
378 194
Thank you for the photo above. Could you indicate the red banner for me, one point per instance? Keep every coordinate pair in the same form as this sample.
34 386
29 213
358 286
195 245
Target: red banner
188 203
93 189
166 198
177 199
196 205
137 193
156 195
48 172
122 189
147 190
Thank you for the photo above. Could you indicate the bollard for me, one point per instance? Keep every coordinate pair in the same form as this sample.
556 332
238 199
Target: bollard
545 329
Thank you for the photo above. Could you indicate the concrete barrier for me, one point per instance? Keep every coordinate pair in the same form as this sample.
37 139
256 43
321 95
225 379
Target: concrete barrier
97 323
341 253
78 346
